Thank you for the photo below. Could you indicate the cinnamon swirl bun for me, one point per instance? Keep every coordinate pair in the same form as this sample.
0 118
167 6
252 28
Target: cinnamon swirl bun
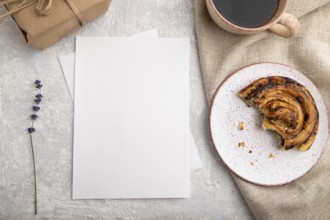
288 108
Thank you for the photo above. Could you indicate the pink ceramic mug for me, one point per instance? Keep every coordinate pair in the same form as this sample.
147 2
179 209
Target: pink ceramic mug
282 24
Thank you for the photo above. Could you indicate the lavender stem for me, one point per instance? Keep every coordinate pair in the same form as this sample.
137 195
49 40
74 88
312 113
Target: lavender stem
35 176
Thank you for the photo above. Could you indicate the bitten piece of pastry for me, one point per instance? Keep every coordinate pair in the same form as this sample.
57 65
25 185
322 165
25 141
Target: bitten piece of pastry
288 108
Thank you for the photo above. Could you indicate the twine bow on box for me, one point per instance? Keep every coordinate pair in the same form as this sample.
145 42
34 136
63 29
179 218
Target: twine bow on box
43 7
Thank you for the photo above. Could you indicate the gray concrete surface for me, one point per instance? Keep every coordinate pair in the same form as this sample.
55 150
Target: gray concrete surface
214 194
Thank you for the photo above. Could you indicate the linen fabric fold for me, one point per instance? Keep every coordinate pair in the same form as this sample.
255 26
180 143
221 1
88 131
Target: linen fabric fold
222 53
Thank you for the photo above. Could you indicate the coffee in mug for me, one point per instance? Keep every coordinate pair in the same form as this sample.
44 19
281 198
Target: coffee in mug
253 16
247 13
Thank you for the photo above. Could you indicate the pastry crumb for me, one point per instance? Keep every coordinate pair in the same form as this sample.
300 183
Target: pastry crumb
241 125
271 156
251 163
241 144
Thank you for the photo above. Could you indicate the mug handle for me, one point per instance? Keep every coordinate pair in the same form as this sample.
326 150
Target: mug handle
288 26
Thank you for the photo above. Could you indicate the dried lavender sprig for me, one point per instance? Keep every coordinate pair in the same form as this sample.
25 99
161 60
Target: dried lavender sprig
31 129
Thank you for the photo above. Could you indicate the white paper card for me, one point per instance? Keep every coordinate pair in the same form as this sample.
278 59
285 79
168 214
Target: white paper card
68 66
68 61
130 127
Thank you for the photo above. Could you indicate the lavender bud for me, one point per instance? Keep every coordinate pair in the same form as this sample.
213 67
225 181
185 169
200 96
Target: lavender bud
38 96
31 130
36 108
37 82
37 100
34 116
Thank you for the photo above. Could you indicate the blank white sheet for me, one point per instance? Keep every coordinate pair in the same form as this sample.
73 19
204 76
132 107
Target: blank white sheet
131 118
68 61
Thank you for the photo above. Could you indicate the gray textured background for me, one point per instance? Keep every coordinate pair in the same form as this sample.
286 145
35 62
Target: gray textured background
214 194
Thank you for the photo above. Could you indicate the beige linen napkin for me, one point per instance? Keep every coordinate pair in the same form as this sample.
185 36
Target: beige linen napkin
222 53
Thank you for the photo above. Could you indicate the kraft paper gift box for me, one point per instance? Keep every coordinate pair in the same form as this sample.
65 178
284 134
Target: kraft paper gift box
44 22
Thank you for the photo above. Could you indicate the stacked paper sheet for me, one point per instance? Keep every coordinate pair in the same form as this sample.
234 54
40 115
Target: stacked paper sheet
131 125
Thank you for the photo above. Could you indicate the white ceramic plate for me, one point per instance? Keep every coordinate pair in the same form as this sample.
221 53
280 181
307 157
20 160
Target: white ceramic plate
253 162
